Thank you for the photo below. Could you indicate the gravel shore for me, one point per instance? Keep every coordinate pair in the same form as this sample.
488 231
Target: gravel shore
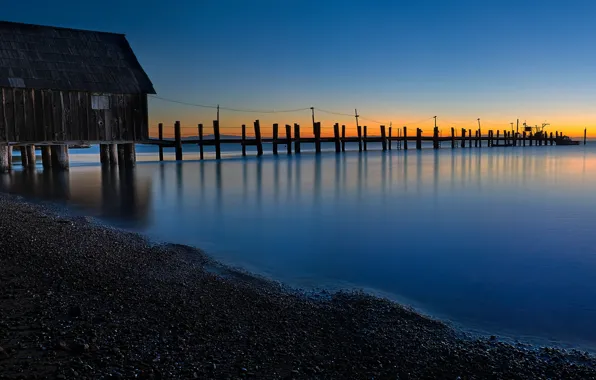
81 301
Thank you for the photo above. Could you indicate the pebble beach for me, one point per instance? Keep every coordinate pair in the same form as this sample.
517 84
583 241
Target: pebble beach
79 300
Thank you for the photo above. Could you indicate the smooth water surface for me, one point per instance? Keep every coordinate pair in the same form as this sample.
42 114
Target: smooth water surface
497 239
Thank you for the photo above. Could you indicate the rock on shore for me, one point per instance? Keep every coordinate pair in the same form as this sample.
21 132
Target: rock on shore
82 301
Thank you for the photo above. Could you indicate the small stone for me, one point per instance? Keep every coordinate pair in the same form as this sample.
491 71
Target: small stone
3 353
492 337
75 311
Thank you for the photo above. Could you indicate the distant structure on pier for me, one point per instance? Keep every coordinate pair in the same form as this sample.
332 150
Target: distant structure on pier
63 86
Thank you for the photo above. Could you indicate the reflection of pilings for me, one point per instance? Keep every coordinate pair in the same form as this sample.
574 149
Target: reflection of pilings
130 157
276 181
289 163
104 156
259 181
317 179
113 154
179 185
9 157
219 184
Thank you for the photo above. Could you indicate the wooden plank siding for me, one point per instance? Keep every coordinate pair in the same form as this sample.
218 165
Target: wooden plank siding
45 116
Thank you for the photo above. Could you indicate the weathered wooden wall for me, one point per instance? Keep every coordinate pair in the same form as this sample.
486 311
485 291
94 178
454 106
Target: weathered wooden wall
35 116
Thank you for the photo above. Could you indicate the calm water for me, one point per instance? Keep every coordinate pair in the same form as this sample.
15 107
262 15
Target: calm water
500 240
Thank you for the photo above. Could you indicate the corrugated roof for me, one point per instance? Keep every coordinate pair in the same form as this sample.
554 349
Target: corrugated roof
47 57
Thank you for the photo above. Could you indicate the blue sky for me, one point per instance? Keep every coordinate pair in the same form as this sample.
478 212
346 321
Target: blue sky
393 60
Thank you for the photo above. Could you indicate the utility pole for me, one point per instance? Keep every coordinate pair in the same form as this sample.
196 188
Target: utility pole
218 114
517 127
435 121
511 126
356 116
312 109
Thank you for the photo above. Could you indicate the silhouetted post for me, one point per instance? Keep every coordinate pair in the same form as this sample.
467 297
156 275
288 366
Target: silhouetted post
201 148
296 138
317 133
435 138
46 156
531 138
463 137
275 135
336 138
365 136
160 137
524 138
104 157
343 138
418 138
498 135
120 152
390 138
130 157
9 150
243 140
4 157
469 138
452 138
217 139
359 129
258 138
289 139
60 157
585 135
476 139
405 138
383 138
178 141
551 138
479 134
112 153
24 156
514 138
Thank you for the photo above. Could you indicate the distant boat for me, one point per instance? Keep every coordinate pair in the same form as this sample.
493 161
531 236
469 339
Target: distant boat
565 140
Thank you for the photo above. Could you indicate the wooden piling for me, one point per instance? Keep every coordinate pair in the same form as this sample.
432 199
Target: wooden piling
24 156
343 138
201 148
469 138
463 137
383 138
4 157
160 137
418 138
243 142
390 138
585 135
46 156
498 133
435 138
104 156
317 133
258 139
217 137
60 157
31 159
365 128
359 130
336 138
113 154
524 138
476 139
297 138
178 141
551 139
130 157
289 139
405 138
531 138
120 148
514 134
10 157
452 138
275 137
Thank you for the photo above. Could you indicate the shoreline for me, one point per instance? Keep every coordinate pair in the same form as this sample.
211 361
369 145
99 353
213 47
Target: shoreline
79 299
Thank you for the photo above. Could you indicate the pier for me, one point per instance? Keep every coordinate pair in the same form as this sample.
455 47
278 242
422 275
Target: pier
389 138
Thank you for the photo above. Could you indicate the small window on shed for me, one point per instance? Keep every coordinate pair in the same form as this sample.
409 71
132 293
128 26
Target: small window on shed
100 102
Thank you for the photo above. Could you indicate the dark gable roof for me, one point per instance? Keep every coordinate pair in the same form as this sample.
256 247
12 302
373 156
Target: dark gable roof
47 57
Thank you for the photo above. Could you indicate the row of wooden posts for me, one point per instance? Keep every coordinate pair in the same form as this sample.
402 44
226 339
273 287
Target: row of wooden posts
57 157
509 138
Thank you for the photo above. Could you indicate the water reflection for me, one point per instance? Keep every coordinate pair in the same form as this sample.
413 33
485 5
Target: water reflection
112 193
494 238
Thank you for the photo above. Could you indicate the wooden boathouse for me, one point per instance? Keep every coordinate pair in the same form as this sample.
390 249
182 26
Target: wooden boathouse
62 87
